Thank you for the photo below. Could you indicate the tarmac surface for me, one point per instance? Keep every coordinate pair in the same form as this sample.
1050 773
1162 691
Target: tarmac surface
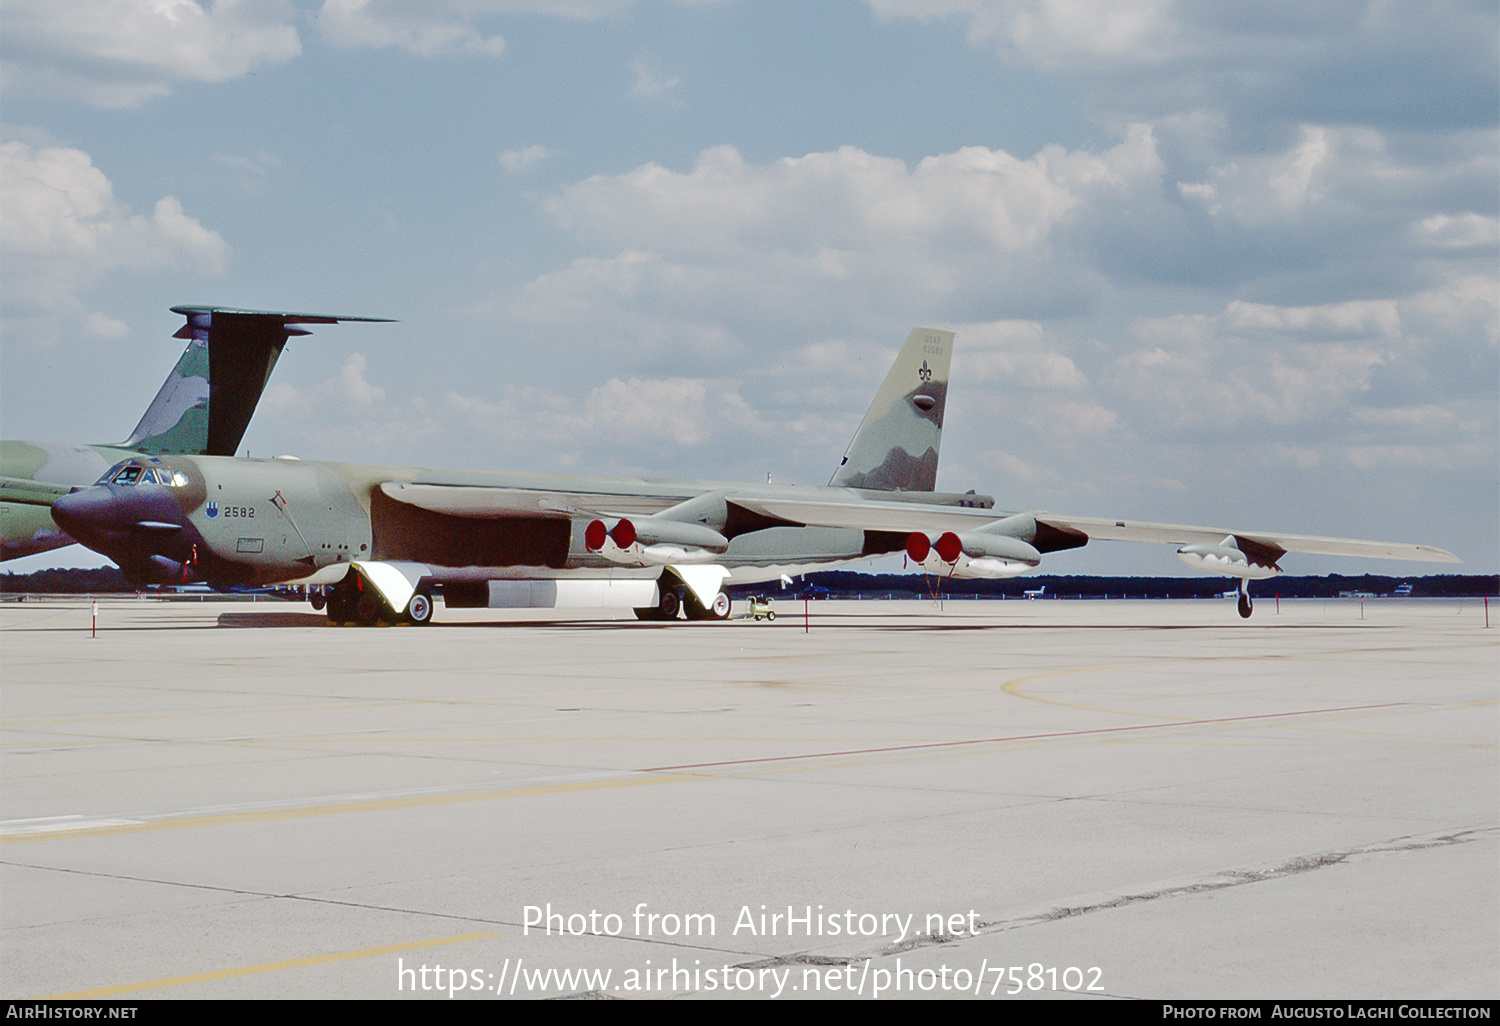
1085 799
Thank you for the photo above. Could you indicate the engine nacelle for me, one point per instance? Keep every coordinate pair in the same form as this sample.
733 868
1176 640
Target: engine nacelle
971 554
1224 558
652 542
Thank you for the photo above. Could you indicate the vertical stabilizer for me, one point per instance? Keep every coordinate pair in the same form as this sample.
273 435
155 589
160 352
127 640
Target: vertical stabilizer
207 401
896 446
177 419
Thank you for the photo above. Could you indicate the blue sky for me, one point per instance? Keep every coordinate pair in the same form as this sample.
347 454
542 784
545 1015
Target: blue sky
1229 264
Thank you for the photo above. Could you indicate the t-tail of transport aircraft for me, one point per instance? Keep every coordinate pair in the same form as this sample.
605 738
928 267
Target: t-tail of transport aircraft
203 408
376 542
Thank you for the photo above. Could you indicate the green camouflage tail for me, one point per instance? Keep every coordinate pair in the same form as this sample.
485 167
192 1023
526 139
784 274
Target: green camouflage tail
896 446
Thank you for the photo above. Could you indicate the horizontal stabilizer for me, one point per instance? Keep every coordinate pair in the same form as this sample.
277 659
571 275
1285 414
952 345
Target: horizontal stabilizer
280 316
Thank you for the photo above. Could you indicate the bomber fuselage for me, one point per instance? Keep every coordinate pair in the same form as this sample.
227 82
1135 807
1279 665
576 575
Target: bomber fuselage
264 521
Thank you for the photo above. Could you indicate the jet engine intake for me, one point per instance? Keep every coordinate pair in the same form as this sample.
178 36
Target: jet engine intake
971 554
653 542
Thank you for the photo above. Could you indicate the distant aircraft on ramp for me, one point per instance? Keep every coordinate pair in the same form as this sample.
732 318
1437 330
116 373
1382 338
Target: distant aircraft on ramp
203 408
381 538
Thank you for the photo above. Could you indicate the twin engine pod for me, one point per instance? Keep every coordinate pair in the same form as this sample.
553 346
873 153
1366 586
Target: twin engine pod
1225 558
972 554
652 542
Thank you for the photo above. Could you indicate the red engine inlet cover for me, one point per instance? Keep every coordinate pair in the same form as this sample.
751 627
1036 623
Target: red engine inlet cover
949 548
624 534
594 535
917 547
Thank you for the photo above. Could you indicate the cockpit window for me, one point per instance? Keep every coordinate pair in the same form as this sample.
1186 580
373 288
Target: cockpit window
132 473
109 475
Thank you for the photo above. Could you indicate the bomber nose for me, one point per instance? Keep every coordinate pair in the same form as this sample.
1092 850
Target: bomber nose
88 512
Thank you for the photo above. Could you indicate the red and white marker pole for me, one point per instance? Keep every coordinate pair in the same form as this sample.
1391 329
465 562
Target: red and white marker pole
94 618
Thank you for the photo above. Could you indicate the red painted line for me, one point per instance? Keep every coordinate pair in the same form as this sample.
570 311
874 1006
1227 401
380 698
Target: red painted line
1019 737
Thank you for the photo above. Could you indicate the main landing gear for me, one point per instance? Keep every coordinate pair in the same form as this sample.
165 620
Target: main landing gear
677 600
352 601
1246 606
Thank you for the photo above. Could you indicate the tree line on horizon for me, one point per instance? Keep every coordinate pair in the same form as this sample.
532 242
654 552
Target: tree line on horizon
849 583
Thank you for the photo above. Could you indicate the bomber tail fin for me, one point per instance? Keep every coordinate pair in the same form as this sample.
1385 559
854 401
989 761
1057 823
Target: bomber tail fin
896 446
208 399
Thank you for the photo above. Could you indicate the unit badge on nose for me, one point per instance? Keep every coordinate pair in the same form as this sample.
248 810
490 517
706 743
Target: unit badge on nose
212 510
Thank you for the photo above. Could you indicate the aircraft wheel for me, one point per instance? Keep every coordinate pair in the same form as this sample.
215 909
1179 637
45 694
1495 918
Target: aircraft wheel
338 607
670 605
721 606
419 609
1246 606
367 608
316 600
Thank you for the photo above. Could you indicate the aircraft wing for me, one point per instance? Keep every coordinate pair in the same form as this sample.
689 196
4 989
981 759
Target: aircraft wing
904 516
1182 534
491 501
868 516
32 493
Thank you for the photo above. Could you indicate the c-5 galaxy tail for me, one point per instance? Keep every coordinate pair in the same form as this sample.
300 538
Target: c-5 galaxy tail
208 399
202 409
896 446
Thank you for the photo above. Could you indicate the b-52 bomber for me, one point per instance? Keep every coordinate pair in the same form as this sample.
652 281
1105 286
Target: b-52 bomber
202 408
377 541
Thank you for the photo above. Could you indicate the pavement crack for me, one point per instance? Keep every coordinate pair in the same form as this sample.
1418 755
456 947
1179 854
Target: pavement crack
1226 878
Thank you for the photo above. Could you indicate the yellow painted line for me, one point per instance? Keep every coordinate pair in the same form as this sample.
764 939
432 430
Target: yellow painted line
342 706
1403 737
334 810
264 967
376 740
1312 744
1012 687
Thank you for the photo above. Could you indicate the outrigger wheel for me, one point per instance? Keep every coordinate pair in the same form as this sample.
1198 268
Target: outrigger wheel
1246 606
718 609
419 609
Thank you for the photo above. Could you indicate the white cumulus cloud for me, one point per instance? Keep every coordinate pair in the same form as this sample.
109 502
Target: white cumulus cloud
121 53
61 228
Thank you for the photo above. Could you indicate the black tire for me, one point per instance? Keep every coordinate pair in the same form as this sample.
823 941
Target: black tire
338 607
648 613
317 600
771 615
1246 606
670 605
419 609
367 608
